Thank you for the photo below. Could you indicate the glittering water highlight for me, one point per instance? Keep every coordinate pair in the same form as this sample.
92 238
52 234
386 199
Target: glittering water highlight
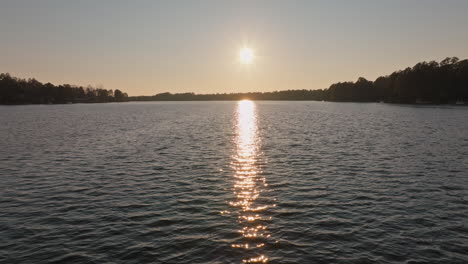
249 185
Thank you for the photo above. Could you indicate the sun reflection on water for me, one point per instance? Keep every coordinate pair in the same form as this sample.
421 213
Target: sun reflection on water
249 185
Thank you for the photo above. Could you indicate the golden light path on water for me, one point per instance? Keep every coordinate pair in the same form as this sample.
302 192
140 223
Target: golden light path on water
249 185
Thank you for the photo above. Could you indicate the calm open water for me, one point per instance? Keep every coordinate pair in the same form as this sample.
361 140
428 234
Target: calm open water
233 182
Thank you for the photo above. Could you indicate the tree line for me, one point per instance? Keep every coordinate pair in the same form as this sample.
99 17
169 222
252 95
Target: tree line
426 82
277 95
15 90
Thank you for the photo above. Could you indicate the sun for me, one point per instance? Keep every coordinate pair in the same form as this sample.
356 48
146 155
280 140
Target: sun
246 55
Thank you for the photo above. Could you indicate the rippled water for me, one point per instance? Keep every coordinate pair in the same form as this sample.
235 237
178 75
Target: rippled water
233 182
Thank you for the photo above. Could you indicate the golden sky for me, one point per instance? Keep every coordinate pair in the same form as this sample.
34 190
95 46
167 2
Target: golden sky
149 47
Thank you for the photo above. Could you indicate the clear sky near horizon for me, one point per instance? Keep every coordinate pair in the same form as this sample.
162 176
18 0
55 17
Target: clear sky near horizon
149 47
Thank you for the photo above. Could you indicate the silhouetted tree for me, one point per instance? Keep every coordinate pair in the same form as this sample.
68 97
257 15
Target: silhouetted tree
119 96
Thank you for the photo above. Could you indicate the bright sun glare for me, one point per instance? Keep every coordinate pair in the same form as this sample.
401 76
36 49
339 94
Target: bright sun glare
246 55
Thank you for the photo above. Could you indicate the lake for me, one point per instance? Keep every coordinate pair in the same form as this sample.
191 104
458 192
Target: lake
233 182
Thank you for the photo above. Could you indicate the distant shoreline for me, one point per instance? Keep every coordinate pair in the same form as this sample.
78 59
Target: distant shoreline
426 83
298 100
261 100
232 100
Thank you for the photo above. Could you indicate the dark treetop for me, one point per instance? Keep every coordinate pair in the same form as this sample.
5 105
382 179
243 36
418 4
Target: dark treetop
426 82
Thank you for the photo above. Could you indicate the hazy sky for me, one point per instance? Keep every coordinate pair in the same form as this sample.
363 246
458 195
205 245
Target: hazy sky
148 47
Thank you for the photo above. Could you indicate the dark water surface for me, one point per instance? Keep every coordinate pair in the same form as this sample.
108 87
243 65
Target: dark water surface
233 182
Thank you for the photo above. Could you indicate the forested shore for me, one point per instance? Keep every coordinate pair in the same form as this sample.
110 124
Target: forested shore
15 90
427 82
431 82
